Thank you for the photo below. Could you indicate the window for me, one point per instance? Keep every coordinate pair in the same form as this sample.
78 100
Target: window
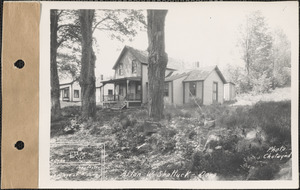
66 93
215 92
192 88
76 93
121 69
110 92
166 89
101 76
134 66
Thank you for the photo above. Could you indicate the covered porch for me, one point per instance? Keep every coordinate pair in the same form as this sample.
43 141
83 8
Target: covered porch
127 92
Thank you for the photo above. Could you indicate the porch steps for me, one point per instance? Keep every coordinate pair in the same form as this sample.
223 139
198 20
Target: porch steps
119 106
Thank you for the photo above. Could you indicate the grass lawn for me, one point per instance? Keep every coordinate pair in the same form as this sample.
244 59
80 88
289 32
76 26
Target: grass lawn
220 142
279 94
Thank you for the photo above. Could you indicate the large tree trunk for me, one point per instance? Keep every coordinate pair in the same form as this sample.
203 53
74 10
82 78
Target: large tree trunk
87 73
55 93
157 61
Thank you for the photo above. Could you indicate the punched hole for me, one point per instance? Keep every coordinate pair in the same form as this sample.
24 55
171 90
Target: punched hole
19 145
19 64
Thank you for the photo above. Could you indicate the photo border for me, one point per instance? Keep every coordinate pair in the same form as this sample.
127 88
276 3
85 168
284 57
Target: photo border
45 103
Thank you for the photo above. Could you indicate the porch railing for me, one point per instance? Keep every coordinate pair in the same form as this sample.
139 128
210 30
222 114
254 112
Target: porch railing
109 98
133 96
130 97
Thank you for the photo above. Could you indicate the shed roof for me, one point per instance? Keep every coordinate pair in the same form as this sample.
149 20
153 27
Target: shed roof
231 82
122 80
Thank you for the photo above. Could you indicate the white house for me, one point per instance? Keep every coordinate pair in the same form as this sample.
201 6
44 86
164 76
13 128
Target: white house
204 84
70 92
129 86
131 77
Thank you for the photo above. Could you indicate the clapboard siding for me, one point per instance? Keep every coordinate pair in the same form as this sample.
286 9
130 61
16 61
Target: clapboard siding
126 61
208 88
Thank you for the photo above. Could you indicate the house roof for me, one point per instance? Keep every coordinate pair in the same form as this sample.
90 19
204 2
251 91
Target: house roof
175 76
202 73
142 56
230 82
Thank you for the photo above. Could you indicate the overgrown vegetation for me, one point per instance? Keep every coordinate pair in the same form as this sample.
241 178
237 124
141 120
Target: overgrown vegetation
220 142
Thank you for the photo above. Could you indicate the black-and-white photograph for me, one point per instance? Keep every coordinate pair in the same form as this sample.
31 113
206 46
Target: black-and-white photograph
199 93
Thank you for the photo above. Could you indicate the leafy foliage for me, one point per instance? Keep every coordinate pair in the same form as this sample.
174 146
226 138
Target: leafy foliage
282 59
115 23
120 23
266 55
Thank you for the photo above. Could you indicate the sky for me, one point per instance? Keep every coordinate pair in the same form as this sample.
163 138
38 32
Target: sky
206 33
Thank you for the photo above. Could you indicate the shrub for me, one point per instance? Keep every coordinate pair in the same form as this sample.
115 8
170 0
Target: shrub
194 103
275 119
266 172
172 112
262 84
70 111
228 102
163 141
214 111
141 114
221 162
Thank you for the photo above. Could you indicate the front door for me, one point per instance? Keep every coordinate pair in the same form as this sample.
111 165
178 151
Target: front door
135 90
122 89
138 91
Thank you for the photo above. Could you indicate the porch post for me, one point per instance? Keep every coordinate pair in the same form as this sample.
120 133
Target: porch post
183 92
114 91
127 82
102 92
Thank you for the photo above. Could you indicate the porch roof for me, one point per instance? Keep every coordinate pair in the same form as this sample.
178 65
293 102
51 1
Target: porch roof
121 80
68 83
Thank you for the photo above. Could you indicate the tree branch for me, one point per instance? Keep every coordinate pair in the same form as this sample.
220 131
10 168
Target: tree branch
96 25
121 26
60 13
60 42
67 25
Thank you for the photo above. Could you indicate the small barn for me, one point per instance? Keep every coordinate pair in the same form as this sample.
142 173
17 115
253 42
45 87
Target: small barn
229 91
